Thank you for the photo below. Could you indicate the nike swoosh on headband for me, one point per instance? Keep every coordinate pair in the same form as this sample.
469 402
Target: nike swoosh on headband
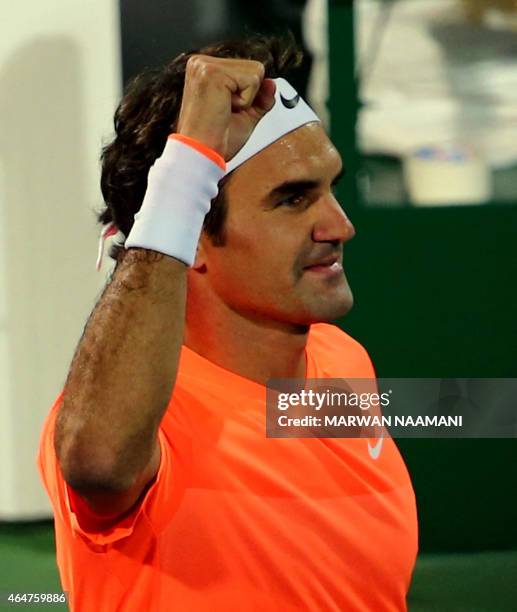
290 102
289 112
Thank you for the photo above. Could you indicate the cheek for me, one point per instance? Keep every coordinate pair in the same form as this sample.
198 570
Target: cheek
256 263
254 238
262 247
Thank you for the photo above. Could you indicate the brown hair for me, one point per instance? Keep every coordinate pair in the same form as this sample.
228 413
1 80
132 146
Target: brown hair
147 114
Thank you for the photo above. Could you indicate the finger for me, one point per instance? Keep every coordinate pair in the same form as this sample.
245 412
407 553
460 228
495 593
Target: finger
265 98
248 82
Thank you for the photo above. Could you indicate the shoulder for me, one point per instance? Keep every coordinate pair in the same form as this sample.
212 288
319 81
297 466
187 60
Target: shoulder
338 353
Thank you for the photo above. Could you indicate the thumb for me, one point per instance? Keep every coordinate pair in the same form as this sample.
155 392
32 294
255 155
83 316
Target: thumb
265 98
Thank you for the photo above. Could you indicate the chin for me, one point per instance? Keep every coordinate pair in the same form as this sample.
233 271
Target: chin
328 310
326 301
334 312
335 306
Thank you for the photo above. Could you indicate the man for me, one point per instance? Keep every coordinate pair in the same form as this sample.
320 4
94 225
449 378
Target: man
167 493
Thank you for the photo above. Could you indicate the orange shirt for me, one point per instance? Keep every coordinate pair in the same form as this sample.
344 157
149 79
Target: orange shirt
236 521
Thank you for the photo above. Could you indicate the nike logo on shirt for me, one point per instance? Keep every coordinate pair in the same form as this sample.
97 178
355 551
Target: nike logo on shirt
375 451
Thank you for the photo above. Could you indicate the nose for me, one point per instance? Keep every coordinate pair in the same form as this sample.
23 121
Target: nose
332 224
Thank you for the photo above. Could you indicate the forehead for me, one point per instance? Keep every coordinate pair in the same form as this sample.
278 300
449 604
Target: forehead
305 153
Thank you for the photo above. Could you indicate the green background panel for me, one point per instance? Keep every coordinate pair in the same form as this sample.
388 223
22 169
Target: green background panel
435 296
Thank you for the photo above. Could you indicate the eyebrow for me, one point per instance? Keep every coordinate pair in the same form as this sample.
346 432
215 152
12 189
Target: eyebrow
288 187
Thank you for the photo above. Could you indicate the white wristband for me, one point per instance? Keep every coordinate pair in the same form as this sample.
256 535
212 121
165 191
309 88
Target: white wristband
180 187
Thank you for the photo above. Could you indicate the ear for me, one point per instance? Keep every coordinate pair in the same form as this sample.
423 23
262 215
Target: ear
200 260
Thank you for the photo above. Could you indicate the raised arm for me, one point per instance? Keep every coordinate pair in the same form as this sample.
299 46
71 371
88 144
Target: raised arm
123 372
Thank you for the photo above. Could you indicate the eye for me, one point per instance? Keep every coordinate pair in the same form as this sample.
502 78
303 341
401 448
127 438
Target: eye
293 201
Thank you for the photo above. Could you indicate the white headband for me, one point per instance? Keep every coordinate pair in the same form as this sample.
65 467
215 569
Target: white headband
289 112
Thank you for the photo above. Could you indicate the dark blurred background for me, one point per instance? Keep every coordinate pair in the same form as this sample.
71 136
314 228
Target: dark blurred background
154 34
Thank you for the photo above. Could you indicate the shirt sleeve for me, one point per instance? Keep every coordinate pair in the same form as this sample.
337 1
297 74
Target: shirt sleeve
154 509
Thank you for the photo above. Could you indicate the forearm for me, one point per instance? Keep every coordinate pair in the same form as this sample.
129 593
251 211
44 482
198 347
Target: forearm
123 372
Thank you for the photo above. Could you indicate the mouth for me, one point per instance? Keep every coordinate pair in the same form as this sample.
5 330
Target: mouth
327 266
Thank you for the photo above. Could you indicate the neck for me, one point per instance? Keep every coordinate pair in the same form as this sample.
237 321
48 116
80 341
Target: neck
253 348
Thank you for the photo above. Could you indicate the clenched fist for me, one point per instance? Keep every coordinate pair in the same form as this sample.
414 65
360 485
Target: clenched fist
223 100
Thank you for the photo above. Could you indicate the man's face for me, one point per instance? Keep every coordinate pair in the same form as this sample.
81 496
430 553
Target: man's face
284 234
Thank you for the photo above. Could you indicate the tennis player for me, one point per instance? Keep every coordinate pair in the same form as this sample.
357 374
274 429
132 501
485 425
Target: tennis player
167 494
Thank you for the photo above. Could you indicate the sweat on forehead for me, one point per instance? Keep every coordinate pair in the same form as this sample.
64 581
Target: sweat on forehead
305 155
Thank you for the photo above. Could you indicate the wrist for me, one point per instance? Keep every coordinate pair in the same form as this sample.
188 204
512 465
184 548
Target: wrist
181 185
203 148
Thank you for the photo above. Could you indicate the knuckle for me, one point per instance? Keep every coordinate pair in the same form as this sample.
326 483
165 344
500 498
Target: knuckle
198 64
210 69
260 70
192 62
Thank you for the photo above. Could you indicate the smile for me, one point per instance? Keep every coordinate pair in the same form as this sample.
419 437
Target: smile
331 267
